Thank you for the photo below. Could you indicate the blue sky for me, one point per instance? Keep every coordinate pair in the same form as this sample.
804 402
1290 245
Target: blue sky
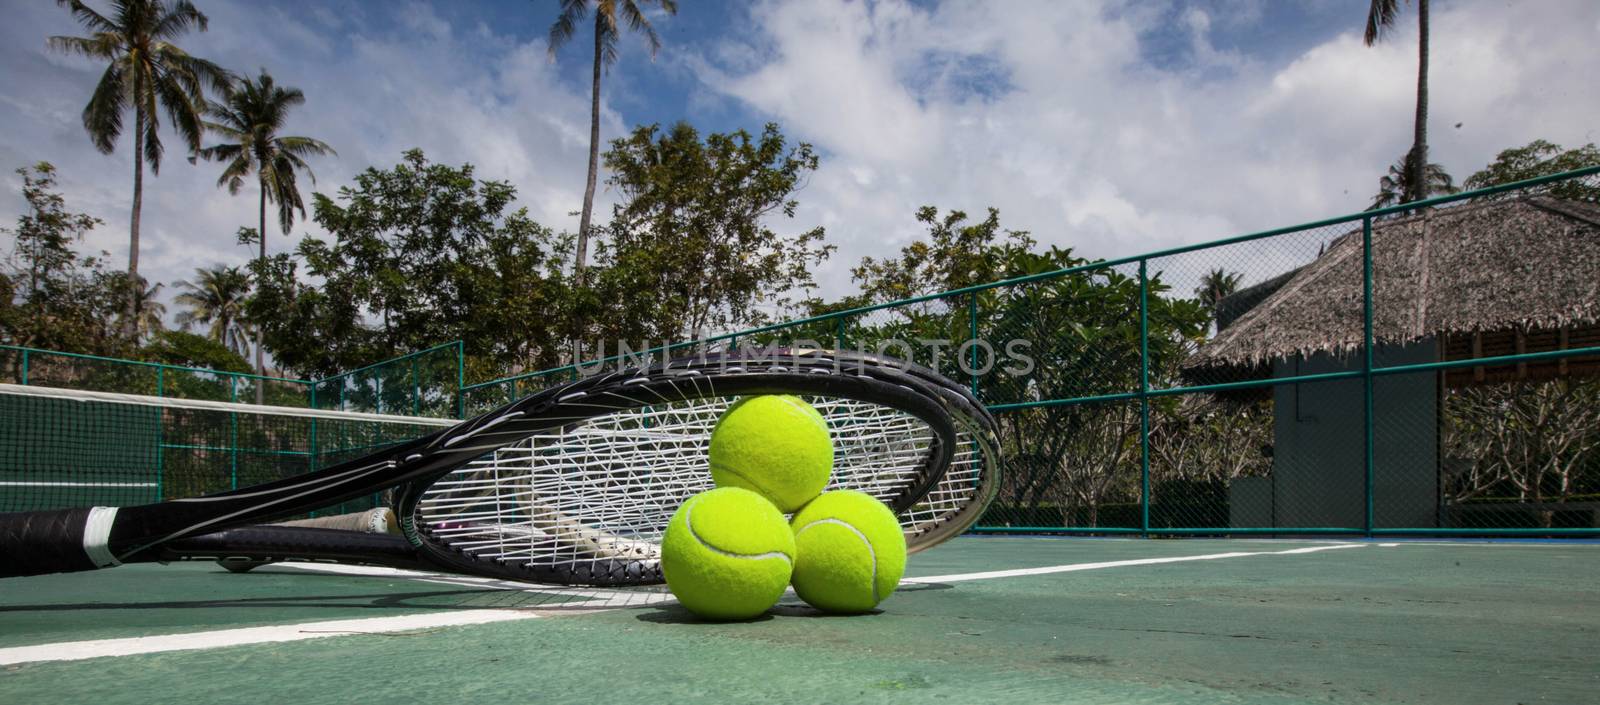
1114 128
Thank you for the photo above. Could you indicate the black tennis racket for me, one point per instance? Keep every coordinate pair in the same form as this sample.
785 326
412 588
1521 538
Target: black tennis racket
574 484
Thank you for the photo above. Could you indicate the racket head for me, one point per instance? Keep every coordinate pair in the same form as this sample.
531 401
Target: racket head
586 498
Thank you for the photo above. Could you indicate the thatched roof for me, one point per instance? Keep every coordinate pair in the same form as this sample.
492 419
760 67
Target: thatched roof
1525 264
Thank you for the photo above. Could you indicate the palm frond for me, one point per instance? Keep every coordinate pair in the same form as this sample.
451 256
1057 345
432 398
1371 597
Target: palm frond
105 46
102 117
1381 16
181 108
180 19
304 147
566 25
639 23
87 16
152 134
233 174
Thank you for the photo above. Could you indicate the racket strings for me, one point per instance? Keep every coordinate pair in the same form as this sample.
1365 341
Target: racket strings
605 489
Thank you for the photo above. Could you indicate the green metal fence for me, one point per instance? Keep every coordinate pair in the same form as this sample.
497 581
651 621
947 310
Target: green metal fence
49 368
424 383
1432 368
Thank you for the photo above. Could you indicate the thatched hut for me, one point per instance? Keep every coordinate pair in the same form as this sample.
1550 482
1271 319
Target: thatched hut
1477 280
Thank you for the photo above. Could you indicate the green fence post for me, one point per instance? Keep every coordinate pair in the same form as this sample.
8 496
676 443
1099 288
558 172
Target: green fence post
839 334
972 335
461 379
1366 361
311 450
1144 399
161 436
416 390
233 435
24 365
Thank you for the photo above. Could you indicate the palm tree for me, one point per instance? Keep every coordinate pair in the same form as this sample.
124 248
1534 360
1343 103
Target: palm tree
607 14
1216 285
144 71
1394 186
216 299
249 117
148 309
1381 16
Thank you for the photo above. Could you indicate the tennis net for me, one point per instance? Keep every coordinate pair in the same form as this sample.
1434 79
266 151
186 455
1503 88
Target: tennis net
67 447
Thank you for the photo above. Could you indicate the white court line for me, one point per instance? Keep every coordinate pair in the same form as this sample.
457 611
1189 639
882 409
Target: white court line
71 651
77 650
1074 567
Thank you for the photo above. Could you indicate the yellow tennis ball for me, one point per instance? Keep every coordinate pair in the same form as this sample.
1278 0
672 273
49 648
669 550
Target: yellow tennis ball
727 554
851 552
775 445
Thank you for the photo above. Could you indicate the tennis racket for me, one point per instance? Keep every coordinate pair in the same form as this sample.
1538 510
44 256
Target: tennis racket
574 484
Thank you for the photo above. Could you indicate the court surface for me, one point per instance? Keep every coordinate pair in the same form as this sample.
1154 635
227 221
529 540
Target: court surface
1010 620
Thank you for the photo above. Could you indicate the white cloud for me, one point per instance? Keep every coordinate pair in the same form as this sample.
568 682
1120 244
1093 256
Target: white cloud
1090 146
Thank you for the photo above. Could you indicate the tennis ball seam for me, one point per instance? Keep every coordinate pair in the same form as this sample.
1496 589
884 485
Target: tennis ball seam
873 552
688 523
801 406
723 467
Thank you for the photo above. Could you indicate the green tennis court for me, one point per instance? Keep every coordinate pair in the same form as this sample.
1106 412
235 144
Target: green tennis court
1015 619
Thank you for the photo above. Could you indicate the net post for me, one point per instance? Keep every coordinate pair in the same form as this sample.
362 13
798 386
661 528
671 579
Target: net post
233 434
161 437
1144 399
1366 367
311 445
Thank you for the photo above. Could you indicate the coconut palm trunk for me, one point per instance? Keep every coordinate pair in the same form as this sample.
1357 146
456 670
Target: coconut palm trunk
261 365
131 315
610 15
581 260
1419 140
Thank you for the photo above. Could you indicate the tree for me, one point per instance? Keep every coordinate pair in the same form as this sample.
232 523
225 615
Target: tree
1216 285
147 306
249 118
1394 186
1541 158
184 349
1381 18
954 256
609 15
691 249
216 299
55 298
420 254
144 71
1065 463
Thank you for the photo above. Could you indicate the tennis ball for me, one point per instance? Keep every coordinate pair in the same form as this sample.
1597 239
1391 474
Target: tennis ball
775 445
851 552
727 554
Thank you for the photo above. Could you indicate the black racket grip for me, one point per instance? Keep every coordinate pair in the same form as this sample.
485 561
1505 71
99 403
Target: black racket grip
36 543
275 543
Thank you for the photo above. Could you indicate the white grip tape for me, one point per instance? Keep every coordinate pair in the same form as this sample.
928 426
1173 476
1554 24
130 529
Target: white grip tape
97 536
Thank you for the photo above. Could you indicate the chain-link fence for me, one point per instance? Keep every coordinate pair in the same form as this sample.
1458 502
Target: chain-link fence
1431 368
424 383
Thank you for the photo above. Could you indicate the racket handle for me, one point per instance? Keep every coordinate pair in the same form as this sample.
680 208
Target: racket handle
55 541
276 543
